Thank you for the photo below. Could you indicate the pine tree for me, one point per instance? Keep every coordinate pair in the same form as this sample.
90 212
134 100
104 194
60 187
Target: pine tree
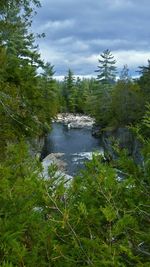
49 93
127 102
106 79
124 76
70 91
24 109
144 80
106 68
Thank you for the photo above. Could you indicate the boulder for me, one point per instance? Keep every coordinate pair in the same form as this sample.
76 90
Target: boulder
55 159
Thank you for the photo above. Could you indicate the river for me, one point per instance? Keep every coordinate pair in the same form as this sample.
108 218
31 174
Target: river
76 144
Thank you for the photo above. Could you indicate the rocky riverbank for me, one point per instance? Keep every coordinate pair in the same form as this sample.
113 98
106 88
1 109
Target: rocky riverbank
123 136
125 139
36 145
75 120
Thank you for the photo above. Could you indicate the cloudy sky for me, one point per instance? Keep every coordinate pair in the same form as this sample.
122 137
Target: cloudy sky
78 31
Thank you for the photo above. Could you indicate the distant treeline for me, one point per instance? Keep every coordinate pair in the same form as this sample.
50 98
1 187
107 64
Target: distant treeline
112 102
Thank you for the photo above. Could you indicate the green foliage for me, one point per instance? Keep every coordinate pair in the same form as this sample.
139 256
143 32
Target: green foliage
144 81
69 92
102 220
21 195
124 76
106 68
146 118
119 104
112 103
127 103
28 101
27 233
97 219
48 102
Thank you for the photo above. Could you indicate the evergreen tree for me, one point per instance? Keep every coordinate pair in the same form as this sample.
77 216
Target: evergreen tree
23 112
48 101
106 68
106 79
144 81
83 91
127 103
124 76
97 220
70 91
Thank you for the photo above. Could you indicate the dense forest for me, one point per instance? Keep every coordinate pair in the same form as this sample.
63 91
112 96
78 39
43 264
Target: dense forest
98 220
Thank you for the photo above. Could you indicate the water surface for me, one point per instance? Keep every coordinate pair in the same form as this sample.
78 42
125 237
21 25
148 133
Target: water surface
76 144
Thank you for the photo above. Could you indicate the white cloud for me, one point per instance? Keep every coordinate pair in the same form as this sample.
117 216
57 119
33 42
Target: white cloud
132 58
64 58
73 44
80 45
50 55
93 59
78 31
55 25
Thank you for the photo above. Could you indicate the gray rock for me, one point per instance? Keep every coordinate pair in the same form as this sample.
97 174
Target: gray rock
36 145
126 140
55 159
75 120
96 131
